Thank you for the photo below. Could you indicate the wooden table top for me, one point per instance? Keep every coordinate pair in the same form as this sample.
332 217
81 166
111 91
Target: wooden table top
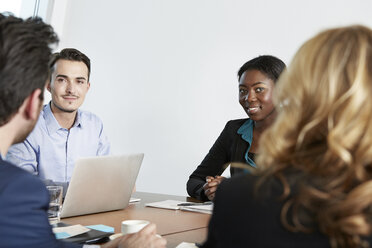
175 225
192 236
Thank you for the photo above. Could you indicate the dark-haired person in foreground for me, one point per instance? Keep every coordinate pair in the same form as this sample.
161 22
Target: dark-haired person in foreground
238 142
313 186
63 132
24 200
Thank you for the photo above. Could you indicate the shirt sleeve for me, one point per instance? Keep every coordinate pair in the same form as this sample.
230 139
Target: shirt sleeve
212 165
24 155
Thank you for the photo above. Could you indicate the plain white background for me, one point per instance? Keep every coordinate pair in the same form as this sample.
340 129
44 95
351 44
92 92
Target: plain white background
164 71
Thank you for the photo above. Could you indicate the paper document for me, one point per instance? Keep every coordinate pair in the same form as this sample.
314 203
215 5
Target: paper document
132 199
205 209
102 228
69 231
168 204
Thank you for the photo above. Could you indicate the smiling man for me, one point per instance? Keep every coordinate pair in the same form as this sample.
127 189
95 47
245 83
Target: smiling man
63 132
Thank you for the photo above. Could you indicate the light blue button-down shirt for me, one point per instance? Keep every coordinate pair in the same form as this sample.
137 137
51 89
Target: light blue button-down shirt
50 151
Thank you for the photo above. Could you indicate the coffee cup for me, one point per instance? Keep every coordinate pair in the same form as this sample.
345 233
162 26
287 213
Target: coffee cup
133 226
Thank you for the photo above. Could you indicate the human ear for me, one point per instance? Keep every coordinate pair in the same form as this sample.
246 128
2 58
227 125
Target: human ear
33 103
48 86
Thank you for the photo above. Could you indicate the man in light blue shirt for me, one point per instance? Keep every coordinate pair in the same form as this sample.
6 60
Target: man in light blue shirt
63 132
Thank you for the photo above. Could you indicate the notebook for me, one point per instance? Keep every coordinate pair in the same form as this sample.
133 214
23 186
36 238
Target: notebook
101 184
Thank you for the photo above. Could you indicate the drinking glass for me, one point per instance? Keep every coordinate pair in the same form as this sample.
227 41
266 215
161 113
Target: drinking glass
55 203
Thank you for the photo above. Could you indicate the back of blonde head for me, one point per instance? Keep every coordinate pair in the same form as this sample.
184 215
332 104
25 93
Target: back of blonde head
323 133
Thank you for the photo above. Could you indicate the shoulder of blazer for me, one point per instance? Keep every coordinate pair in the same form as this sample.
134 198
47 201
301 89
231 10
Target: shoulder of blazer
234 125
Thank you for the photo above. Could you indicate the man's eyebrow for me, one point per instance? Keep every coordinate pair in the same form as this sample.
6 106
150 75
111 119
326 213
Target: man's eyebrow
61 75
65 76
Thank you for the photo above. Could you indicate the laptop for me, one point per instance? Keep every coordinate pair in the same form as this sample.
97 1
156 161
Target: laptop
100 184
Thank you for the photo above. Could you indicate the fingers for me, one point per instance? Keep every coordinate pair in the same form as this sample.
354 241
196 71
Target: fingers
145 238
205 186
219 179
209 179
160 242
153 240
209 193
149 229
211 190
212 181
112 244
211 197
211 185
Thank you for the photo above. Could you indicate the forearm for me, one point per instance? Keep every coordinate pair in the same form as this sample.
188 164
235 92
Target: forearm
195 188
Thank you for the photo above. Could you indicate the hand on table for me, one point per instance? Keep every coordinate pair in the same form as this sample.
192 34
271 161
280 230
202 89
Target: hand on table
211 185
145 238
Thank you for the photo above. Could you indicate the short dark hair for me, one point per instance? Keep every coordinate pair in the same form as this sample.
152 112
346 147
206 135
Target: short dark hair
70 54
24 56
269 65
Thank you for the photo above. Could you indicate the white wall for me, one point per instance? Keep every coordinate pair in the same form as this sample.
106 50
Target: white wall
164 71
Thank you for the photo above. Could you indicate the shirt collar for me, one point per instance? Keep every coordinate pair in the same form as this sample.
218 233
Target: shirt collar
246 131
78 121
52 124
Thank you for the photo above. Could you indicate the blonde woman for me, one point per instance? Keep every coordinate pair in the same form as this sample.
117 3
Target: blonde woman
313 187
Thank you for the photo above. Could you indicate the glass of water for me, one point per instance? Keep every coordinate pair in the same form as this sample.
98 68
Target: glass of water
55 203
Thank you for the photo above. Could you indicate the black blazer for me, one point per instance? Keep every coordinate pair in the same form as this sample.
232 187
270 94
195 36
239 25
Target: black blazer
229 147
242 218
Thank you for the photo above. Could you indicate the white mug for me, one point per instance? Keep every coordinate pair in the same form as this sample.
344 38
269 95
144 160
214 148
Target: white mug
133 226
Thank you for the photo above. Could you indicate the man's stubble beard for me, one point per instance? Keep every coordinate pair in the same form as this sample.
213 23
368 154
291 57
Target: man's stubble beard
63 109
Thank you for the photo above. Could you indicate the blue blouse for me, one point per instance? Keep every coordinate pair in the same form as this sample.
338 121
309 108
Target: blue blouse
246 131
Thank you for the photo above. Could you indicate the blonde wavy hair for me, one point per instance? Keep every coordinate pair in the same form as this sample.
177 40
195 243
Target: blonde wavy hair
320 146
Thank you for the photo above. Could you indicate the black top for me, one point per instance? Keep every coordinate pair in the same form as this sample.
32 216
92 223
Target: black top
229 147
242 219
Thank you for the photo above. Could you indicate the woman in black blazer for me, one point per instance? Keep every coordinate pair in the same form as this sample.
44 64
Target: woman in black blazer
238 142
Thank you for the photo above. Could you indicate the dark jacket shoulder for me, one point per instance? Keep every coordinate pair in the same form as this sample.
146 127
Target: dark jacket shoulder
234 125
10 173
